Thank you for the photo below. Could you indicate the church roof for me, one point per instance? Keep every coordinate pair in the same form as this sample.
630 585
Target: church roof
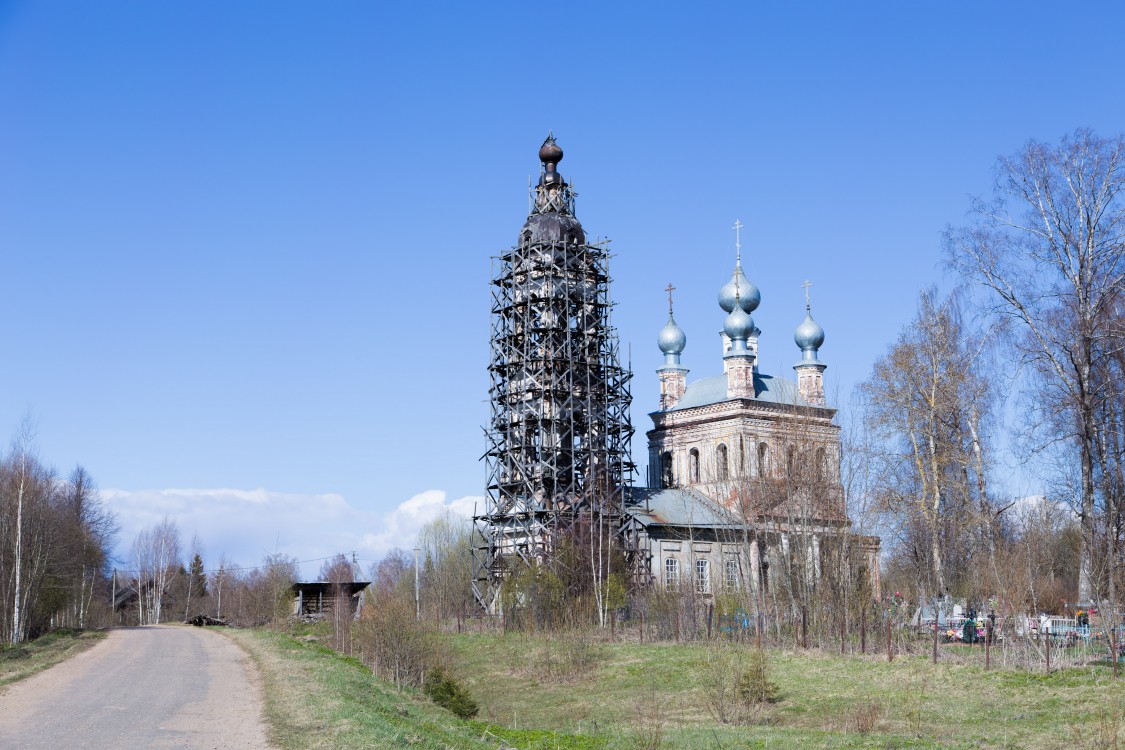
679 506
713 390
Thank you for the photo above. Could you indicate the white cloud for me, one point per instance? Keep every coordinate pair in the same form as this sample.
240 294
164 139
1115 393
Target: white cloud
1032 508
245 525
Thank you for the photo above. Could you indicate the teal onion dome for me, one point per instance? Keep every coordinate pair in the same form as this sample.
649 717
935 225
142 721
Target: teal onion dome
740 290
672 341
809 337
672 338
738 327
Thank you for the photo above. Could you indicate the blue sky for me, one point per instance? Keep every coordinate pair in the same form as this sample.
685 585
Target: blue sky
246 246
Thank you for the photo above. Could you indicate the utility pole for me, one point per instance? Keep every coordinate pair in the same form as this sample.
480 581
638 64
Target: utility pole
417 590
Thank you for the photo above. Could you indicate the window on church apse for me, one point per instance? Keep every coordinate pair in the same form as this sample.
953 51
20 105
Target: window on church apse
693 465
721 468
763 459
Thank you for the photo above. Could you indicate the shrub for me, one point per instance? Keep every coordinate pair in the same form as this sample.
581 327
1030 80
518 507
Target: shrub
450 694
866 716
399 649
754 684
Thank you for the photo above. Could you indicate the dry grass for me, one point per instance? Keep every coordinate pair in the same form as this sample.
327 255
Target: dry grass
865 717
316 698
825 700
26 659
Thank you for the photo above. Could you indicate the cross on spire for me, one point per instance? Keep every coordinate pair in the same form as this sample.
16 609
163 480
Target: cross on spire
806 285
670 289
738 240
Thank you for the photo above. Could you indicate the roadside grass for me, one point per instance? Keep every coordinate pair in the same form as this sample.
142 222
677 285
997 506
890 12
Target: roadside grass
573 693
826 700
25 659
318 698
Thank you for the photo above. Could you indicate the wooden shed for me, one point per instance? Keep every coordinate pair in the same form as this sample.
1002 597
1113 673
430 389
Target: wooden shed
317 599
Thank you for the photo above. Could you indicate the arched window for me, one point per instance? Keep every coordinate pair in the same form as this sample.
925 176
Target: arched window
722 472
666 479
741 457
790 460
693 465
763 459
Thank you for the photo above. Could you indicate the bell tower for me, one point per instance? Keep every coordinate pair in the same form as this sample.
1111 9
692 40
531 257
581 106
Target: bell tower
559 430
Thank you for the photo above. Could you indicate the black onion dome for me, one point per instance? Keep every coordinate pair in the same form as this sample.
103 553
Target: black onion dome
550 152
553 227
552 220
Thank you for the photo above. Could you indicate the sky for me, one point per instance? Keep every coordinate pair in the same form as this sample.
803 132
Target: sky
246 246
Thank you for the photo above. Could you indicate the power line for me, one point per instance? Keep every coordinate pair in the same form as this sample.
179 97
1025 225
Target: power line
242 568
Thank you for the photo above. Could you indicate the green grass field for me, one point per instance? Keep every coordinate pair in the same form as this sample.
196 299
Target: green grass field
558 693
26 659
317 698
825 700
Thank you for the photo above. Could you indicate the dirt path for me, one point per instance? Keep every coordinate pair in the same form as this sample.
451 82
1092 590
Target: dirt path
149 687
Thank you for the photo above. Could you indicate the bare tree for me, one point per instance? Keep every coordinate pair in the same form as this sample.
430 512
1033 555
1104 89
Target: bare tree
55 538
195 581
219 579
27 494
925 402
85 533
1050 250
156 558
338 572
446 553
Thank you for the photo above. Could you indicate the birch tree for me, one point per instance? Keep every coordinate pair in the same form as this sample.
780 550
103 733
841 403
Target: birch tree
926 399
1049 250
156 558
27 524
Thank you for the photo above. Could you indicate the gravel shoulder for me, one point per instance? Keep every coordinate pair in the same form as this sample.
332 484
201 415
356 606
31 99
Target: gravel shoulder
147 687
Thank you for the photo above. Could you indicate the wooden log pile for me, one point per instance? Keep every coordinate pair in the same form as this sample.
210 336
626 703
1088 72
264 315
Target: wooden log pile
200 621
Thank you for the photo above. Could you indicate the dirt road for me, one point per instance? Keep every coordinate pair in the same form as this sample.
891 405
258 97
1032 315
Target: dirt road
149 687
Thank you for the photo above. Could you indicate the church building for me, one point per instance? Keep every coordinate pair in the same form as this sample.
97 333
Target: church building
743 492
744 487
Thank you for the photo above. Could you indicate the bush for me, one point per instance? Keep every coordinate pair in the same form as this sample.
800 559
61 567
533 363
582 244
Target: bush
866 716
399 649
754 685
450 694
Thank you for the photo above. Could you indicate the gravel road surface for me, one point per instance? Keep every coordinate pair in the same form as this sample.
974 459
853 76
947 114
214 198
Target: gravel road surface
147 687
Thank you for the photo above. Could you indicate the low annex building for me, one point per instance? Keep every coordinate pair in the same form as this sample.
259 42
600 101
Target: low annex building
744 467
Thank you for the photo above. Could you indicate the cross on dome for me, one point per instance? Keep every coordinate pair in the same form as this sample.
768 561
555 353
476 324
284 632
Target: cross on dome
738 239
